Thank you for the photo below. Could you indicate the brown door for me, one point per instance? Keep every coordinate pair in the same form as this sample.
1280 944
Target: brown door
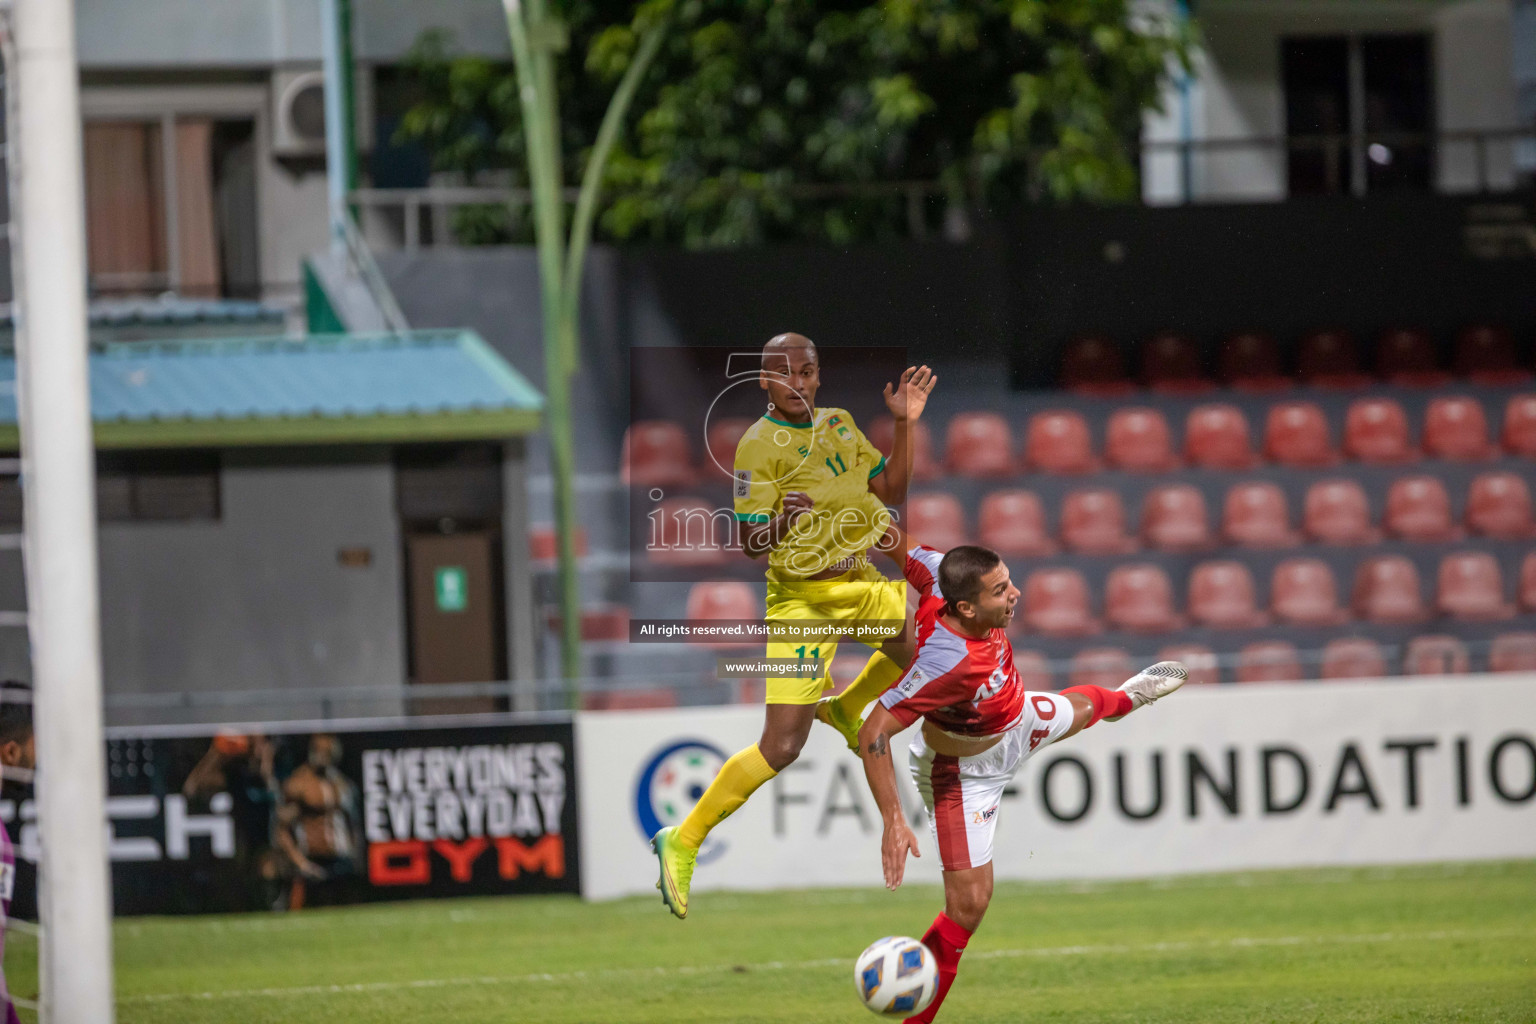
455 613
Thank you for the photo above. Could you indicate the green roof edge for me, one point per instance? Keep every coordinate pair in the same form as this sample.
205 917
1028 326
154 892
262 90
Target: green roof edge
492 362
278 431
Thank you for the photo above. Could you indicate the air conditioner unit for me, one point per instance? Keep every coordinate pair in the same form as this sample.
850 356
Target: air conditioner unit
298 112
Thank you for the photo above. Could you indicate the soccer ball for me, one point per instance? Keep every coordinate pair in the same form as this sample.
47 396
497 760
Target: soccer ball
896 977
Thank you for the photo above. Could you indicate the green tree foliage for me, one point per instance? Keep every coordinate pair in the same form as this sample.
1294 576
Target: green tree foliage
812 119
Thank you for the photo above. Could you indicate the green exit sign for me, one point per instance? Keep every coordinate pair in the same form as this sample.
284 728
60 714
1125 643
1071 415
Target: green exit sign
451 584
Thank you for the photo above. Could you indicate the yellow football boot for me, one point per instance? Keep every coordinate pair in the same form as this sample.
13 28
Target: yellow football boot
676 869
828 710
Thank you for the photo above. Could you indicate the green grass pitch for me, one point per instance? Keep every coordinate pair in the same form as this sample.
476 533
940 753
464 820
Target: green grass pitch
1439 943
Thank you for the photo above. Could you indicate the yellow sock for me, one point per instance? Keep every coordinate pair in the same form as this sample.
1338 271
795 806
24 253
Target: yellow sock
739 778
877 676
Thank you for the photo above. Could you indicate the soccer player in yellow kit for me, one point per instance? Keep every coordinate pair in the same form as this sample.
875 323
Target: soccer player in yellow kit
810 493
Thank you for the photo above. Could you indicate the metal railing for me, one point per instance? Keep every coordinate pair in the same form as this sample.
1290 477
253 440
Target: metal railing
1474 161
366 267
1352 152
700 687
541 696
439 202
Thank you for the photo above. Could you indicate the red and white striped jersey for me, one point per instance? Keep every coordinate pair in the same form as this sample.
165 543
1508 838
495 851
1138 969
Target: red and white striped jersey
965 686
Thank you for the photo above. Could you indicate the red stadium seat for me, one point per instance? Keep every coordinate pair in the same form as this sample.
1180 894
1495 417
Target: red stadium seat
656 454
1269 661
925 466
1201 661
1387 590
936 519
1093 523
1528 583
1353 657
1330 359
1513 652
1216 437
603 622
1436 655
1173 518
1255 516
1035 670
1488 355
1056 603
691 532
1455 428
1171 365
1093 365
1520 425
720 446
979 444
1013 523
1419 509
1138 440
722 601
1337 512
1221 594
1059 442
544 543
1101 666
1407 357
1302 593
1250 361
1139 598
1296 434
1471 588
1499 506
1376 431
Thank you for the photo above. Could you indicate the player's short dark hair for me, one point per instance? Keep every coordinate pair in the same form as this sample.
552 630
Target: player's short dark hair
961 570
15 711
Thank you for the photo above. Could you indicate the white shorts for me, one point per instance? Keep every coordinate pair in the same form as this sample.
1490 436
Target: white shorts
962 794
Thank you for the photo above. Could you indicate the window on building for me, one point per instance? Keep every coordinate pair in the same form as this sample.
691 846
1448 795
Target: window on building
141 487
1358 113
171 206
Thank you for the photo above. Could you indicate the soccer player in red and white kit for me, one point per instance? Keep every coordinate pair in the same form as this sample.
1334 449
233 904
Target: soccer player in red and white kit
979 726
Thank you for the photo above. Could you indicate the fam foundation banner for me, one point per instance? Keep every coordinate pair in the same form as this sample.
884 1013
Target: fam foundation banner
277 818
1212 779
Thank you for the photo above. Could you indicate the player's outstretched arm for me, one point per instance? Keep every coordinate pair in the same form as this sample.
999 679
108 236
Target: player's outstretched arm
906 402
897 839
757 539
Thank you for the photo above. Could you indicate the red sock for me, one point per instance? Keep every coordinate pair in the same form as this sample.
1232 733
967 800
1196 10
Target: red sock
1113 703
947 940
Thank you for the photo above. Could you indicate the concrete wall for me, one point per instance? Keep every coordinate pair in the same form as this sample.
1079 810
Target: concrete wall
1010 296
258 599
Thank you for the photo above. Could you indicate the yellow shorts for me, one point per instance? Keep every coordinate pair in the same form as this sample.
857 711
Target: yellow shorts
858 595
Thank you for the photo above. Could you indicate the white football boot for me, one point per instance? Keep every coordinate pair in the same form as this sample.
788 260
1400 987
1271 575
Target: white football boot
1146 686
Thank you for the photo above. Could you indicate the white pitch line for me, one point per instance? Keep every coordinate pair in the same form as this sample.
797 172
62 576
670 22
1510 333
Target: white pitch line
1240 942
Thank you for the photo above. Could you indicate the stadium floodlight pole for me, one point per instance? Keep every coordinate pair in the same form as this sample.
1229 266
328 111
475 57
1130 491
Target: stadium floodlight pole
337 152
536 38
58 465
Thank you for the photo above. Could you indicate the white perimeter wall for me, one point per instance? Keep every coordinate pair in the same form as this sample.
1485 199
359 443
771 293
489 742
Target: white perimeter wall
816 825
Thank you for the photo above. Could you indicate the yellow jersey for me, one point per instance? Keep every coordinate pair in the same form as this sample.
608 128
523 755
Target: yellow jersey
829 459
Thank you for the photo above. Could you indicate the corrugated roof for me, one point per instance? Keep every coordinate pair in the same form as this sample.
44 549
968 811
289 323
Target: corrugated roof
421 385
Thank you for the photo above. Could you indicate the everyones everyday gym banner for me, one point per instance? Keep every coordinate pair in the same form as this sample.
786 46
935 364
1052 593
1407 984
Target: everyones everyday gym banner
263 818
1212 779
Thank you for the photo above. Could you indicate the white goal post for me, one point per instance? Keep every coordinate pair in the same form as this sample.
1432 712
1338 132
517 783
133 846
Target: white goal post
58 471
